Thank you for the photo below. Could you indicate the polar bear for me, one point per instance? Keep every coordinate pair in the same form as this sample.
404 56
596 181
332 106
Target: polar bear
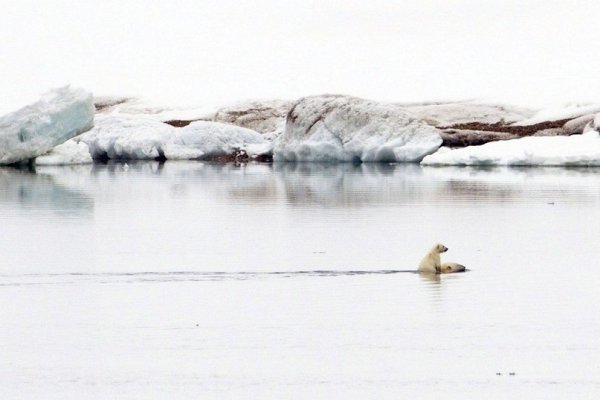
432 264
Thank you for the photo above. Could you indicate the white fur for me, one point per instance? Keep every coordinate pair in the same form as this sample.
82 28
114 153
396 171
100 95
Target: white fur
432 263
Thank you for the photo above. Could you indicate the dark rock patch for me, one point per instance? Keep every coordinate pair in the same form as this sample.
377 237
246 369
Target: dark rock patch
180 123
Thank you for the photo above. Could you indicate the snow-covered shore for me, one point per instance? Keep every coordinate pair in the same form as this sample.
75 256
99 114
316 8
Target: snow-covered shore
343 128
569 151
325 128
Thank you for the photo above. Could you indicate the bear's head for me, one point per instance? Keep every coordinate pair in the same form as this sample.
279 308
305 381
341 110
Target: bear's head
441 248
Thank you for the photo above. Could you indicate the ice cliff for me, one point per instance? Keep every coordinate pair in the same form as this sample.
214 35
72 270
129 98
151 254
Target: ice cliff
333 128
37 128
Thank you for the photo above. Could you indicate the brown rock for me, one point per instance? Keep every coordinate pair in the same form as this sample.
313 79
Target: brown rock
476 133
467 137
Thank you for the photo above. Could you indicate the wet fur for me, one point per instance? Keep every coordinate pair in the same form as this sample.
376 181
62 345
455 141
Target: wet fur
432 263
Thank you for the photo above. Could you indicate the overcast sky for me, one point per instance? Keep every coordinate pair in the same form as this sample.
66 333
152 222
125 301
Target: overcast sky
203 52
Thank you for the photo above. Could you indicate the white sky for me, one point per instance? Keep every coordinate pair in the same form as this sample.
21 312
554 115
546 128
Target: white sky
203 52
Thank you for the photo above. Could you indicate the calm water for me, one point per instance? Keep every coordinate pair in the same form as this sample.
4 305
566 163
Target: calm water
191 280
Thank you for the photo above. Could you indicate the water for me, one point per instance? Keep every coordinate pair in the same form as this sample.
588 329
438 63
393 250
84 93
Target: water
192 280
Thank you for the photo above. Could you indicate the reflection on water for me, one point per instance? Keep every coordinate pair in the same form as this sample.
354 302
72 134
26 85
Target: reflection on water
346 185
187 276
190 216
264 280
32 191
366 184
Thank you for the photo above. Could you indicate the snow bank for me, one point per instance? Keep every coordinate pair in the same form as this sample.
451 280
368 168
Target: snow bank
35 129
71 152
576 150
341 128
203 139
120 137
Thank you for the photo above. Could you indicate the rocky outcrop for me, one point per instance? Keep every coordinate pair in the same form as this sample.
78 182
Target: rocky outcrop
464 124
37 128
342 128
104 104
476 133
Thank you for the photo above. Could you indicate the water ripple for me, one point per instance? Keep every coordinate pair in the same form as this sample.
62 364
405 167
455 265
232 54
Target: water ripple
181 276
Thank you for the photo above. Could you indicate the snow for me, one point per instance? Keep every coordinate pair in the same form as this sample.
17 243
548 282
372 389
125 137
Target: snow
126 138
70 152
35 129
121 137
447 114
559 113
575 150
135 107
596 123
264 116
341 128
212 138
326 128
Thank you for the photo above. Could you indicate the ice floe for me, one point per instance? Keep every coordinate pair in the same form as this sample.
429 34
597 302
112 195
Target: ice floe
575 150
126 138
203 139
333 128
71 152
37 128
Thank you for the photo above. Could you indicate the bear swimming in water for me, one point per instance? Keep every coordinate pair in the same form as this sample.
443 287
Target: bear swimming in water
432 264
